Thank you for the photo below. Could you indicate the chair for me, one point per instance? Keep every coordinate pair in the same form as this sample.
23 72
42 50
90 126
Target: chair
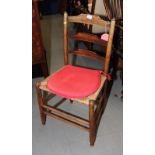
92 92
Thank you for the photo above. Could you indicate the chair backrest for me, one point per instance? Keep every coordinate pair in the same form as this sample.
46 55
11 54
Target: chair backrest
90 38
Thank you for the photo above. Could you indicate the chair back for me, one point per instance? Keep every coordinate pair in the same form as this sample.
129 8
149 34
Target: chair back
87 19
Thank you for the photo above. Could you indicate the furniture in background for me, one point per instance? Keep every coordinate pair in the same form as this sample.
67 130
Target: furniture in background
114 9
107 10
79 84
49 7
111 9
118 48
97 7
75 7
94 7
38 50
90 7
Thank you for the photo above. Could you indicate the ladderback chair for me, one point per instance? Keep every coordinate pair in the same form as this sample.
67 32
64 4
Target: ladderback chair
78 84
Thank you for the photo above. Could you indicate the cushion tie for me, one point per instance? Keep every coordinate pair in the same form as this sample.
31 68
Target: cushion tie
108 76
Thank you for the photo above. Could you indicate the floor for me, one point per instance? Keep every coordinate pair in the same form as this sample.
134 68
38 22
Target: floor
58 138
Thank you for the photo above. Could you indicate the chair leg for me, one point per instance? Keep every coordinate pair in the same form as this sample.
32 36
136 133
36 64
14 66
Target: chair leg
71 101
40 103
92 130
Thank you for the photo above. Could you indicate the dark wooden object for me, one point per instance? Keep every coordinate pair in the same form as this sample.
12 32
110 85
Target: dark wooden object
118 51
96 101
114 9
38 51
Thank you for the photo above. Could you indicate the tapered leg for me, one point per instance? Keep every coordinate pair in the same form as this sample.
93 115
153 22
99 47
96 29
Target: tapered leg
40 103
92 130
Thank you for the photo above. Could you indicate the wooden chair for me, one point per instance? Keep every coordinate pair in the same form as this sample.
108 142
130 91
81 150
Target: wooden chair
94 101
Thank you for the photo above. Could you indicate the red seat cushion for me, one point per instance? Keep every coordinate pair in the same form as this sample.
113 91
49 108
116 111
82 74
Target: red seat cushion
74 82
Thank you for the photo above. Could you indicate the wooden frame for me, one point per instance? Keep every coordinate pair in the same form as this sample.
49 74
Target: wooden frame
96 101
38 50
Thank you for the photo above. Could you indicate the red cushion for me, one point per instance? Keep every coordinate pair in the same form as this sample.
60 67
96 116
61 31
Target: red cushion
74 82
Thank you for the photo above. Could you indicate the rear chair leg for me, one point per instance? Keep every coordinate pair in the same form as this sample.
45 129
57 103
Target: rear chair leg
40 103
92 130
71 101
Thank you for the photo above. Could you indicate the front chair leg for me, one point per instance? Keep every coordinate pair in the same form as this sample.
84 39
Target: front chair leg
40 103
92 128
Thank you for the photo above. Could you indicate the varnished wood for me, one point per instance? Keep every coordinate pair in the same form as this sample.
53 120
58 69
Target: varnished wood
67 121
38 51
87 53
101 105
109 46
93 6
65 39
97 98
84 19
92 134
66 114
89 38
40 103
95 20
92 13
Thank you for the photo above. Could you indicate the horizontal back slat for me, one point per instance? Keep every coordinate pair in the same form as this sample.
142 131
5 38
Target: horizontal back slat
80 24
86 53
89 19
89 38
